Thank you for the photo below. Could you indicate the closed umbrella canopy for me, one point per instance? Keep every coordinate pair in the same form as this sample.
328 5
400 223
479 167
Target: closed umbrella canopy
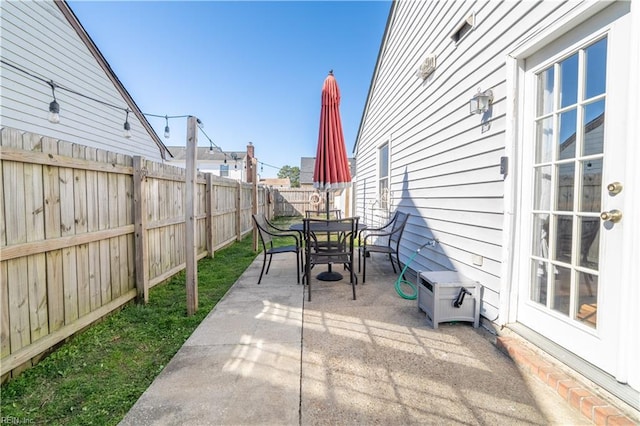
331 170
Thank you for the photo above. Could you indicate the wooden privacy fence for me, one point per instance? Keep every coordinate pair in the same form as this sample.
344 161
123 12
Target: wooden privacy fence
85 230
295 201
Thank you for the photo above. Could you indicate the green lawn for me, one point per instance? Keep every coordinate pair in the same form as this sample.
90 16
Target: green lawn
98 375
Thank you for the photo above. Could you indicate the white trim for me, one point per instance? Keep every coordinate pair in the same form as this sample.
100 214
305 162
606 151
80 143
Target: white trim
629 349
510 234
546 35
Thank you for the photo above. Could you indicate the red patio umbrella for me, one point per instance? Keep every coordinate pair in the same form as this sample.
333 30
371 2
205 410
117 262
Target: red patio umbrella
331 172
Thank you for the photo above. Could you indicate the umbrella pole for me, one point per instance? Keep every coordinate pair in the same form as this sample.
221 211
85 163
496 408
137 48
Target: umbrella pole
329 275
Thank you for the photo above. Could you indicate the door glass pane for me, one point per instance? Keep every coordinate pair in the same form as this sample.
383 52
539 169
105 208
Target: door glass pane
564 186
589 228
596 69
544 140
564 238
567 142
545 91
561 290
594 128
569 81
570 97
591 185
542 188
540 282
587 299
541 235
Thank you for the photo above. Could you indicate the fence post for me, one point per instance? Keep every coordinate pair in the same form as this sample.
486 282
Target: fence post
239 212
140 229
254 199
190 217
209 211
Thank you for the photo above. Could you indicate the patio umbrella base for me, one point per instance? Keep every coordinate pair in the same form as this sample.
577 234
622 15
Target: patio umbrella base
329 276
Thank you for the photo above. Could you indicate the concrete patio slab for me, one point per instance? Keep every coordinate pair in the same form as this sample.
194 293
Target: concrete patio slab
266 355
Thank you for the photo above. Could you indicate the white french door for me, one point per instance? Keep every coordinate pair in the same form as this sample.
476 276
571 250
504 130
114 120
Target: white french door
573 191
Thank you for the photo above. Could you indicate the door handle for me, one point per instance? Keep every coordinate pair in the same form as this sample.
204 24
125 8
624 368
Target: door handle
611 216
614 188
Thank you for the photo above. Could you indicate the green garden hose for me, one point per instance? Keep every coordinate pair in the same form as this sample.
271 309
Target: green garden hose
401 280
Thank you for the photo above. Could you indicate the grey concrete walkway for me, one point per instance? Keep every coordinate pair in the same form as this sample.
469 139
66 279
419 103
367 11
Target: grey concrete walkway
265 355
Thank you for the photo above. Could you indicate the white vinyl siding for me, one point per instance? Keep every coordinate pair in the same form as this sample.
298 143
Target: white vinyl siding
37 38
446 162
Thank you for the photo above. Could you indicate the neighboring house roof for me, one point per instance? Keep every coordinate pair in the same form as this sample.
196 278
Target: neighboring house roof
44 44
307 165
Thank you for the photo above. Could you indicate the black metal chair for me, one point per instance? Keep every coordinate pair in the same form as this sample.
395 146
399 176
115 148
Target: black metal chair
268 232
330 242
385 239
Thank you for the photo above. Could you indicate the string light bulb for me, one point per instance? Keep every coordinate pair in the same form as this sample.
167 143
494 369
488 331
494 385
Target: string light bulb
54 107
167 132
127 126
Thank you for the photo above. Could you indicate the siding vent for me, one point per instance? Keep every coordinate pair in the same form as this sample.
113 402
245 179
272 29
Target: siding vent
427 67
464 28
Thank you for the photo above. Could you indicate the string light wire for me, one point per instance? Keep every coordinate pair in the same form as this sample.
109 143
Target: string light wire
54 108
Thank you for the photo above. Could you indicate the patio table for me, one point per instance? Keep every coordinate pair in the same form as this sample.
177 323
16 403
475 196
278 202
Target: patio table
328 227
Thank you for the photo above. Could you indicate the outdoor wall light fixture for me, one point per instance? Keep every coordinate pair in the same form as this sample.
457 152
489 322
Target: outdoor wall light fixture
167 132
481 102
127 126
54 107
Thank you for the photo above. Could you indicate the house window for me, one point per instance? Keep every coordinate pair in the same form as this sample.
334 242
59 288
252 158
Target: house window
383 175
224 170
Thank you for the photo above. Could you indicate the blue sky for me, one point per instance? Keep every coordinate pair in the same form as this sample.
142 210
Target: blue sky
251 71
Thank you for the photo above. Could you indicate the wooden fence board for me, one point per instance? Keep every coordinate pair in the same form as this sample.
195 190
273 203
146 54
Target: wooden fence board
114 243
123 202
68 228
55 280
35 229
5 348
129 217
80 221
92 226
16 232
103 223
3 222
164 195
